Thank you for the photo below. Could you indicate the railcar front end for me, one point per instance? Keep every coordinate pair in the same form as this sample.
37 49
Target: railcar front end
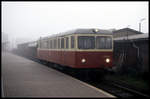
94 51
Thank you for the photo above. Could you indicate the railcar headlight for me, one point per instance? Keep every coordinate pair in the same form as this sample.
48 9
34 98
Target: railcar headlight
83 60
96 30
107 60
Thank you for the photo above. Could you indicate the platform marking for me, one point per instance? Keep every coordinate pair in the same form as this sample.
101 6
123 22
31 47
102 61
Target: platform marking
101 91
2 85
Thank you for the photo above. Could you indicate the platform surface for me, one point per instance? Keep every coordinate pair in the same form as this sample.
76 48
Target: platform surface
25 78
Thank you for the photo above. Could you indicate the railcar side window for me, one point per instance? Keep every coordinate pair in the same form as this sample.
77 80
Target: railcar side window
86 42
55 42
67 43
41 44
103 42
62 42
72 42
58 43
45 44
38 45
50 44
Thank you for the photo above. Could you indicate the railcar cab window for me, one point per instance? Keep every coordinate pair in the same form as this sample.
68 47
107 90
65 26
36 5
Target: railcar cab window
86 42
103 42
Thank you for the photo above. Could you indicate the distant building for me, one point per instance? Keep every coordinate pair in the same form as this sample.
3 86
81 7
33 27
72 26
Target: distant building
125 32
22 40
5 42
134 37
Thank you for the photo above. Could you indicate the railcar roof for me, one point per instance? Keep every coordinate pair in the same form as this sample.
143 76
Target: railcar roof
83 31
88 31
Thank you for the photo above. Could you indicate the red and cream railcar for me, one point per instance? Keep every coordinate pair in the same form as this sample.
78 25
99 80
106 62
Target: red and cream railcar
80 48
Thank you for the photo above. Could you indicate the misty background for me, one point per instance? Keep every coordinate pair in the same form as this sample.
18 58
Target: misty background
28 21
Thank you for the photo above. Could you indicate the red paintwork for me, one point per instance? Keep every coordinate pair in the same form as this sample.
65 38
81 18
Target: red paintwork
73 59
93 59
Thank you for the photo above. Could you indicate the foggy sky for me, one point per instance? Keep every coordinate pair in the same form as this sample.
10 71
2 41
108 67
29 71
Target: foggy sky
34 19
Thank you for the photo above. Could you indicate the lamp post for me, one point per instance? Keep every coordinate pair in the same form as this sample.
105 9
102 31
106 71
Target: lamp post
127 31
140 24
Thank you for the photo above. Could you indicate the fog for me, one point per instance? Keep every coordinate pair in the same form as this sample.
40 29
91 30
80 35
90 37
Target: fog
31 20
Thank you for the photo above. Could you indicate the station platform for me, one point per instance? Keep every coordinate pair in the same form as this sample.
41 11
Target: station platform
25 78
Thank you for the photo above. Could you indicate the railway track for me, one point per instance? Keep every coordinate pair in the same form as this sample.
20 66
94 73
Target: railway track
127 87
118 90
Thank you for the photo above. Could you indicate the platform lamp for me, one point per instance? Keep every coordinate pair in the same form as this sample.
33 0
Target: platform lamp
140 24
127 31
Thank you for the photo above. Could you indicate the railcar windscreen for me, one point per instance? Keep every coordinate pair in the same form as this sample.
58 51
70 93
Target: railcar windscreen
98 42
103 42
86 42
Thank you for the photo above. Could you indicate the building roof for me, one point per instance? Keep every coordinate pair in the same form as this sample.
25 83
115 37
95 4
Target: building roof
127 29
138 36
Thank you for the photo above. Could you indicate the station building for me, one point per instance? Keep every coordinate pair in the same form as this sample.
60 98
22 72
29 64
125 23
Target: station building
125 32
131 50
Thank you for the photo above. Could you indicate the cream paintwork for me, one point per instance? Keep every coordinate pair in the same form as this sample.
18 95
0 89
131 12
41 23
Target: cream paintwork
76 43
